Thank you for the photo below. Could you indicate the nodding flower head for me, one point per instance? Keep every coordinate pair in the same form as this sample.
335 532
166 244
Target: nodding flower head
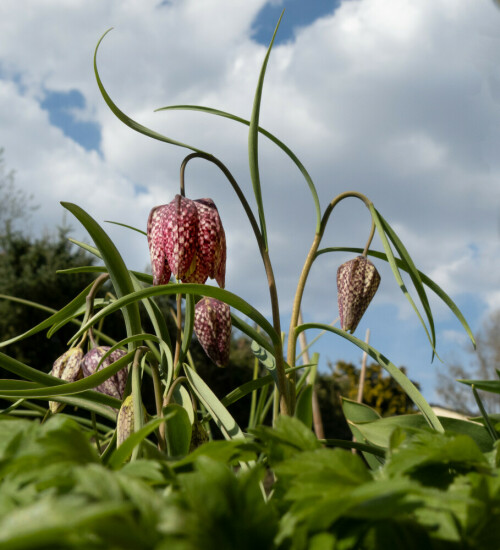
114 386
186 239
68 368
357 282
212 326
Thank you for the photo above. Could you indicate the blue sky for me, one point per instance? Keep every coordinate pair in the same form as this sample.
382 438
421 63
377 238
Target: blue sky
396 99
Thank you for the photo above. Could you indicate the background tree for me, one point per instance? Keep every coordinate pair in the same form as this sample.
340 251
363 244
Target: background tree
483 366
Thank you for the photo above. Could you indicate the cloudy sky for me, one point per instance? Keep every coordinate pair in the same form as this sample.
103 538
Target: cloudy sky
397 99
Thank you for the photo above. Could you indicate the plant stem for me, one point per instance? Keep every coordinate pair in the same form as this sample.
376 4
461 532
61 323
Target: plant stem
311 256
286 403
158 401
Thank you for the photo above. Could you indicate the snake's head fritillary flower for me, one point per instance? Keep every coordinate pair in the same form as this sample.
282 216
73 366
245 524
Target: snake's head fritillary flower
357 282
212 326
114 386
210 255
186 239
68 368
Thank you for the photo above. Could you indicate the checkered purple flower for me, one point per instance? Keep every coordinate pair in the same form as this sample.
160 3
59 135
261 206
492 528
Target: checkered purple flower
186 239
212 326
357 282
114 386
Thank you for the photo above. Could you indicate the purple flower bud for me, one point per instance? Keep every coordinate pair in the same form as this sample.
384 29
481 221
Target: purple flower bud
186 238
68 368
212 326
114 386
357 282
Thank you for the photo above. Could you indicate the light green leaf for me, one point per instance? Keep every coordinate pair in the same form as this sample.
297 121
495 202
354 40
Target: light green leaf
178 430
253 139
126 119
225 422
398 376
303 408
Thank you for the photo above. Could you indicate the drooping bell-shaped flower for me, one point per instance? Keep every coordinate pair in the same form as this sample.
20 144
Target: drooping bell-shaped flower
186 239
68 368
210 254
212 326
114 386
357 282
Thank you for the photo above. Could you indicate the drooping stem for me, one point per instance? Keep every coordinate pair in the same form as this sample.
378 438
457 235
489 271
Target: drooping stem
286 405
89 307
311 256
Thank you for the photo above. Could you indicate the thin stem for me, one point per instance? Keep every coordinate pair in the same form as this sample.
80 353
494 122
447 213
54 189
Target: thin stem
136 395
178 340
158 390
89 300
285 399
292 337
175 383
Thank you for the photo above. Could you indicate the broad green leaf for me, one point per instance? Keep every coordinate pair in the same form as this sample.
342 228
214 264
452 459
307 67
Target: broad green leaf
424 278
363 447
183 398
123 452
398 376
358 412
115 265
225 422
303 408
226 451
379 431
178 430
253 140
126 119
205 290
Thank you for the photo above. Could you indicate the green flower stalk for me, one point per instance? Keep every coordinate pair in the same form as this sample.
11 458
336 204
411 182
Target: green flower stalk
357 282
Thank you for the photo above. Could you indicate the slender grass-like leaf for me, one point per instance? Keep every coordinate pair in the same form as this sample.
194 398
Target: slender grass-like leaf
64 313
492 386
126 119
412 271
127 226
115 265
221 416
252 385
253 334
67 388
122 453
303 408
267 134
486 420
424 278
188 288
265 358
88 247
143 277
178 430
187 333
253 139
397 275
396 374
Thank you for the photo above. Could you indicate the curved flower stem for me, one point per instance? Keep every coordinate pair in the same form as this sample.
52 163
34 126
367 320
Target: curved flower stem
311 256
286 404
89 301
176 382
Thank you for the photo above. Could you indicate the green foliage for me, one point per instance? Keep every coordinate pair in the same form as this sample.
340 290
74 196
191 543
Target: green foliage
380 391
435 490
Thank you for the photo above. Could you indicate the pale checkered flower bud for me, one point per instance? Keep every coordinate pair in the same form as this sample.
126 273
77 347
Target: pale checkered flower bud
114 386
125 422
186 239
68 368
212 326
357 282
